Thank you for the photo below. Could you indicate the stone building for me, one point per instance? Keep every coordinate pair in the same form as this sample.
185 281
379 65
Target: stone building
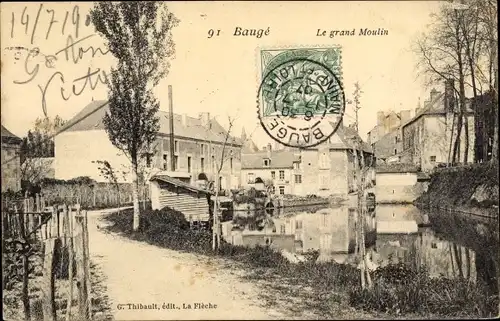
387 123
197 148
328 169
281 168
399 183
11 164
427 137
323 170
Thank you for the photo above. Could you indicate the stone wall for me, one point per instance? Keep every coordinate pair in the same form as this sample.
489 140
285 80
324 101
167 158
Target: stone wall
397 187
11 168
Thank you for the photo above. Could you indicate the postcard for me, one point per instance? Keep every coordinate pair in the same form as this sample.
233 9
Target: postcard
249 160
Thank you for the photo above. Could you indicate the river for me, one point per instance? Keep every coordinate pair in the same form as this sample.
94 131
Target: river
447 245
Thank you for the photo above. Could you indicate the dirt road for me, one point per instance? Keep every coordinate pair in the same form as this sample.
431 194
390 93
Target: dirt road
145 282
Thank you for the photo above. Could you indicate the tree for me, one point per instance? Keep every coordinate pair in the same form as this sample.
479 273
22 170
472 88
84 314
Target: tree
138 34
460 46
219 159
38 144
111 175
361 168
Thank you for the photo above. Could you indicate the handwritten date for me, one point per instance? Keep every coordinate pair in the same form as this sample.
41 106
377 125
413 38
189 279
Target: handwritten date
46 18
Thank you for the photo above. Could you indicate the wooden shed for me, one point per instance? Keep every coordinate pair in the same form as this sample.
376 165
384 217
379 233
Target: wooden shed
192 201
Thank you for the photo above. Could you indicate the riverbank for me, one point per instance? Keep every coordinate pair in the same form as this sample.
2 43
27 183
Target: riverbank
472 188
329 290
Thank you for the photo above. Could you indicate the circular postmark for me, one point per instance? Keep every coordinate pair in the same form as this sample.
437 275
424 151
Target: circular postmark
301 102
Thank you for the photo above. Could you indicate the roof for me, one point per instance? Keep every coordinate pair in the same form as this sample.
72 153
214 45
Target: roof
249 146
397 168
434 107
91 118
7 136
346 135
173 181
279 159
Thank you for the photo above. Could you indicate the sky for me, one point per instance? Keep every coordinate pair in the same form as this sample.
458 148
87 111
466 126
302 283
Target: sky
220 74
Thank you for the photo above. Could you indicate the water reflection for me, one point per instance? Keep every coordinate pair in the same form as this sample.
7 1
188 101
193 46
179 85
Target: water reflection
393 234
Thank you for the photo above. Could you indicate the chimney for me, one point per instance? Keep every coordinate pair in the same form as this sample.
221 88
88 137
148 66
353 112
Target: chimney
449 95
434 94
380 118
205 118
184 120
171 123
269 150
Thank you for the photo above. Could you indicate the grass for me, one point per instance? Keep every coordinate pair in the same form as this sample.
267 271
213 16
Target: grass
12 305
330 289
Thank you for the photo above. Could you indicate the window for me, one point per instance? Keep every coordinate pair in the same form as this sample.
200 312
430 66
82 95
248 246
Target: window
213 161
189 164
395 151
165 161
202 164
282 175
231 164
324 161
176 146
298 179
176 162
250 178
323 181
273 174
432 158
282 229
202 149
267 162
296 165
282 190
148 160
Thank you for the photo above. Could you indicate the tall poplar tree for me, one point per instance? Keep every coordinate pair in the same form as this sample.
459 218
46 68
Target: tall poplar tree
138 35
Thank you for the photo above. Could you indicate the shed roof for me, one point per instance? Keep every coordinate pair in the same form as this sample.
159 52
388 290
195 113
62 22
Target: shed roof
396 168
9 137
91 118
178 183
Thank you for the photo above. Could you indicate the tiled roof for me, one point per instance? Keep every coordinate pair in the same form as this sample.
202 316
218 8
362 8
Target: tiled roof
397 168
279 159
91 118
8 136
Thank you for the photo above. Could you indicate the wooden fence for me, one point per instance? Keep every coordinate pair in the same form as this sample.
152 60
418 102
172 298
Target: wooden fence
59 234
100 195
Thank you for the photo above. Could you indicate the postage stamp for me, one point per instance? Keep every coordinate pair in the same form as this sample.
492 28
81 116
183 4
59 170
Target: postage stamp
301 100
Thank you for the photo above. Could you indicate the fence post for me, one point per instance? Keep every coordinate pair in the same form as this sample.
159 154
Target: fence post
69 244
37 203
80 254
87 264
48 282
